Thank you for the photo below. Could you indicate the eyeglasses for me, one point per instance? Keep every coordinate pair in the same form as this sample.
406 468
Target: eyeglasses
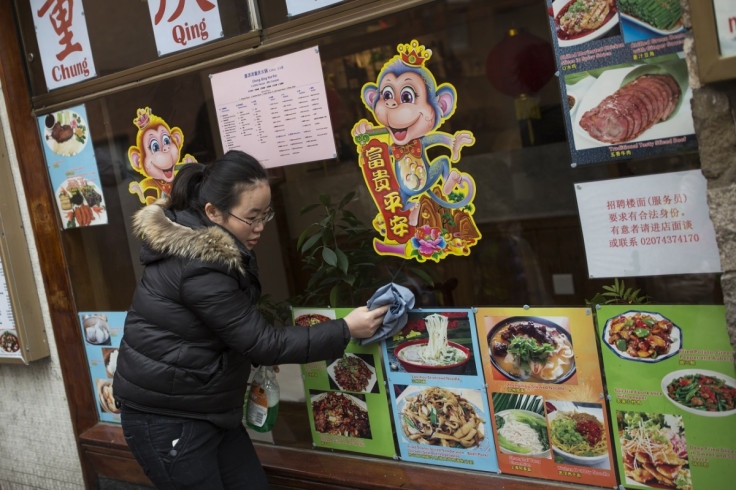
255 222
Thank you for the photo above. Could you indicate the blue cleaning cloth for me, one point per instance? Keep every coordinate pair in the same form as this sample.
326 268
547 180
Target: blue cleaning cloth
401 300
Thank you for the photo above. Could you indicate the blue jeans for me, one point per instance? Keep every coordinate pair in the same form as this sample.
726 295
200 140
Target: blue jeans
179 453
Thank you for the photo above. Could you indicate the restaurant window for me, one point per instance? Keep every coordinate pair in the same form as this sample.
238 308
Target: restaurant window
531 251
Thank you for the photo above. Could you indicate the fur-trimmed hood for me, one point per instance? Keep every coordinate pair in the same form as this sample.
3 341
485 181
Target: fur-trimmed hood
184 235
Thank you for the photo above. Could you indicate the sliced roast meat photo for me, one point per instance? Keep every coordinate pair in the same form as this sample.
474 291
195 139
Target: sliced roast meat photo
632 109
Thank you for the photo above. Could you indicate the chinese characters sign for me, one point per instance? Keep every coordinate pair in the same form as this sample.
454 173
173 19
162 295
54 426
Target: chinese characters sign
424 203
650 225
184 24
63 42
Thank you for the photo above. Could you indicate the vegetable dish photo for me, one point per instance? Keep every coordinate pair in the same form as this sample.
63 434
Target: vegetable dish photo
702 392
642 336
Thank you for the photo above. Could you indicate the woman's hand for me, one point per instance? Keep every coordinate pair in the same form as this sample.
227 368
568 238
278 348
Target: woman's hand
363 322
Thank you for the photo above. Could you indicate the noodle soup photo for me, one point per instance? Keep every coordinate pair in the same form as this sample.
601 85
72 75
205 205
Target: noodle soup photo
433 343
521 429
531 349
578 434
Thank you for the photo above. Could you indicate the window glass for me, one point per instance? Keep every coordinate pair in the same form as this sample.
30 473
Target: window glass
531 250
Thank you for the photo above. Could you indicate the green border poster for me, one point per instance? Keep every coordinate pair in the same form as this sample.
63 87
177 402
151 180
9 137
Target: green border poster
686 440
365 405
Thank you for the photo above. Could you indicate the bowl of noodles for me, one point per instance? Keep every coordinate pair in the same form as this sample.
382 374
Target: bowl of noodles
578 436
532 349
434 354
412 355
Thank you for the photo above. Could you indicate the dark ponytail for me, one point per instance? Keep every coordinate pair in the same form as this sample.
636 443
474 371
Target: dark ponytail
185 189
220 182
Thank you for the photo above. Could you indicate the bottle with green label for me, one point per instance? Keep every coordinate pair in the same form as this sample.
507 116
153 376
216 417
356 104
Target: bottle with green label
262 400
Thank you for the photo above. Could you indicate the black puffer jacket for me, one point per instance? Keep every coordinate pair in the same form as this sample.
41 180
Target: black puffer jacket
193 330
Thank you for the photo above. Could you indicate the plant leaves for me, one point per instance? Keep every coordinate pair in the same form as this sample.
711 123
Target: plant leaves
342 260
346 199
311 241
308 208
329 256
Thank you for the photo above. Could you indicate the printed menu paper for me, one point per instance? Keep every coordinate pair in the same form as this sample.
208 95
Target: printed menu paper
672 388
623 77
437 391
63 42
346 397
276 110
102 331
648 225
547 401
70 159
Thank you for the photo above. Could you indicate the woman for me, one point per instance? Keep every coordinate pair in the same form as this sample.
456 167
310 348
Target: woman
193 329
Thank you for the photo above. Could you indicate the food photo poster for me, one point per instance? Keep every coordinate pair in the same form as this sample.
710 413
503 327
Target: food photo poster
101 332
623 78
544 381
437 391
346 397
670 377
70 159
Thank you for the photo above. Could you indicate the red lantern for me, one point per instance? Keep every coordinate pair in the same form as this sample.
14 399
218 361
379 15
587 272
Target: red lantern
521 63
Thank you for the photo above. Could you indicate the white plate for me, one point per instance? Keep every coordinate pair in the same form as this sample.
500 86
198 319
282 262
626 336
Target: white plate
689 372
557 5
99 218
472 396
593 461
72 146
578 91
371 380
662 32
608 82
675 335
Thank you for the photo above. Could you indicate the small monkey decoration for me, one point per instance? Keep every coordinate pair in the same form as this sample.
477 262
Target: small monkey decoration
156 156
425 204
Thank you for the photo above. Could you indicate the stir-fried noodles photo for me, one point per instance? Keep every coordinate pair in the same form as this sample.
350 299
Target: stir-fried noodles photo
439 417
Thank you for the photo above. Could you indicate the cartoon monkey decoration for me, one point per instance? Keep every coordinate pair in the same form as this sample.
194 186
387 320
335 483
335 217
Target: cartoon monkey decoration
425 205
155 156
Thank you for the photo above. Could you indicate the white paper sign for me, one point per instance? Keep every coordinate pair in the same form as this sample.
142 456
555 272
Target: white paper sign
276 110
647 226
725 11
63 42
181 24
296 7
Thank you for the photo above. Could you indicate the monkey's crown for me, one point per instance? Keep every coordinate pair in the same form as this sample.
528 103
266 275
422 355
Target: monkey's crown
144 117
413 54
